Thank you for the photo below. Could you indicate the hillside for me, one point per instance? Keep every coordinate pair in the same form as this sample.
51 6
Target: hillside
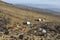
13 18
19 11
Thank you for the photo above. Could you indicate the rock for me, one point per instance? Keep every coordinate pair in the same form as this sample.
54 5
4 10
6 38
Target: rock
6 32
20 36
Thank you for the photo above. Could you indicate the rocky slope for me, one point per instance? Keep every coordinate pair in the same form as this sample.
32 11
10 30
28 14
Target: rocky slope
12 26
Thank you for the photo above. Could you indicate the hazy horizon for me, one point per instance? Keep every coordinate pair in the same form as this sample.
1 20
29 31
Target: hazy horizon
45 4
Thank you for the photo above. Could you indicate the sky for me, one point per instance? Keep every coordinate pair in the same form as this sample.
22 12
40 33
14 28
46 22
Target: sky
47 3
55 2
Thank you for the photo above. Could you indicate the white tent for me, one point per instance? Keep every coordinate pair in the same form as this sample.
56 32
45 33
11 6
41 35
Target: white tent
41 19
28 23
43 31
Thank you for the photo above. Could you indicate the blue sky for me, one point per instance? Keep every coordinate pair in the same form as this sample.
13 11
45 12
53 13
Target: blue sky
34 1
47 3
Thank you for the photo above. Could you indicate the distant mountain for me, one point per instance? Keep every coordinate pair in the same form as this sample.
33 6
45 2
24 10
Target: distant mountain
45 6
41 8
